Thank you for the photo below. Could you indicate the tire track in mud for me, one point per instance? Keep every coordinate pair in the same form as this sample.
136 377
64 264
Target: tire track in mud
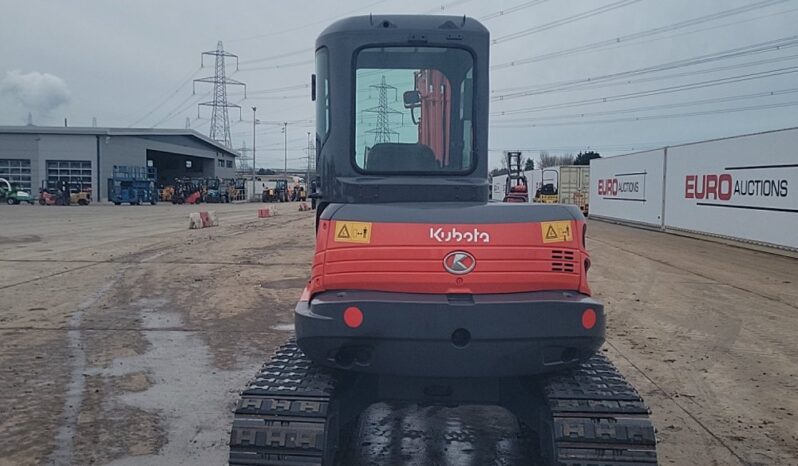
676 402
723 341
65 436
696 273
131 257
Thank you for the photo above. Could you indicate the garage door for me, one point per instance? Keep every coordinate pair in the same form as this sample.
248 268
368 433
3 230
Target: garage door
17 172
76 172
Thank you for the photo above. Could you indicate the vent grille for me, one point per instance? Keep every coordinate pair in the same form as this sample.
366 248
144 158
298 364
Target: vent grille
559 258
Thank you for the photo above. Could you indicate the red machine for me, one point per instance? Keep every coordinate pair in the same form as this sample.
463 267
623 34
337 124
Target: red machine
516 188
421 289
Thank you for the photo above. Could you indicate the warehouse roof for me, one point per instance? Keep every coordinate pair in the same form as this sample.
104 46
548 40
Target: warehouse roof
103 131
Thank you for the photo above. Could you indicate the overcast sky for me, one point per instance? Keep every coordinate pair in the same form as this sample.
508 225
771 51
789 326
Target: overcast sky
131 63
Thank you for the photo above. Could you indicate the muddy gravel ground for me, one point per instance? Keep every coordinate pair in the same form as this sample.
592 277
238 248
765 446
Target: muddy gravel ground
125 338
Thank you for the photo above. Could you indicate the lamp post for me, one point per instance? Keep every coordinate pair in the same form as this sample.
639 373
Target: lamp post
285 154
254 122
307 177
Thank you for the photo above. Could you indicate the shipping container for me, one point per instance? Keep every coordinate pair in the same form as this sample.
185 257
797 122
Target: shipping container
574 185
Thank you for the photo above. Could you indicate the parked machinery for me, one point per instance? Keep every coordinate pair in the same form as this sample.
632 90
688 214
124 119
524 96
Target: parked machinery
187 191
281 190
13 195
133 185
231 188
269 194
422 290
516 189
166 193
61 192
215 192
547 193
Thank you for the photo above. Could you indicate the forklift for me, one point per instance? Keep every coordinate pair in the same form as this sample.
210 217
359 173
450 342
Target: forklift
216 192
63 193
186 191
421 290
281 190
516 188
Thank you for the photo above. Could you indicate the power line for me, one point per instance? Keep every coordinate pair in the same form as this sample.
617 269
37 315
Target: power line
511 10
443 7
564 21
167 98
691 103
589 86
275 90
638 35
306 25
660 91
767 46
661 117
281 65
180 108
279 97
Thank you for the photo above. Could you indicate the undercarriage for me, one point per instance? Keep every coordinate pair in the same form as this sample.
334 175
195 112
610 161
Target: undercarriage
295 412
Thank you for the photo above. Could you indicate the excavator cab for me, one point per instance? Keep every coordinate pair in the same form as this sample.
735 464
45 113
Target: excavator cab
402 110
420 289
405 229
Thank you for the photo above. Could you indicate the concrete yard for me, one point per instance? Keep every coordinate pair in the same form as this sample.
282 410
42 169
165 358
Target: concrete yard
125 338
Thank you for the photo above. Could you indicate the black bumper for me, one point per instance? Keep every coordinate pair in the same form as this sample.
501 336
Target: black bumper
450 336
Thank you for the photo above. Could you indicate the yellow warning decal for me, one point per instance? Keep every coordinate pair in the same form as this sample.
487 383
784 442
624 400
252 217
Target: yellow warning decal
556 232
353 232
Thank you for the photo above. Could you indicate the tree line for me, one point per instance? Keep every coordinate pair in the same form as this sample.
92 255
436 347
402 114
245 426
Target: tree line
548 160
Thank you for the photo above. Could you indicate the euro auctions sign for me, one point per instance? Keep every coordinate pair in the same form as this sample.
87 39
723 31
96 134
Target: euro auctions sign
756 187
624 186
743 187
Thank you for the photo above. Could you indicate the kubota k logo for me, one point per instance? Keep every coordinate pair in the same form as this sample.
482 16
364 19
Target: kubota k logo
459 262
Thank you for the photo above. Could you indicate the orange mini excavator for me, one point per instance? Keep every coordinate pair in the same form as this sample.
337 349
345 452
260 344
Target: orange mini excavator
422 290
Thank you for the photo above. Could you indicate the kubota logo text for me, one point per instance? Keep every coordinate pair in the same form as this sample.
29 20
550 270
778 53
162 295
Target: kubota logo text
453 235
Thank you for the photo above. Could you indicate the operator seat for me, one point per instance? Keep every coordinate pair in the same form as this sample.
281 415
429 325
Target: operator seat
401 157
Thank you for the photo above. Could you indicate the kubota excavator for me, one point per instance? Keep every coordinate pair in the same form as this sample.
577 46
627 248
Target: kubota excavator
420 289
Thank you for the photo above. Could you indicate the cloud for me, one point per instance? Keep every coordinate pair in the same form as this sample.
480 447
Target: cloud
38 92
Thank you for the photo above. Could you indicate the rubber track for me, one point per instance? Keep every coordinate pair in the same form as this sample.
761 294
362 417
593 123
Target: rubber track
281 418
598 418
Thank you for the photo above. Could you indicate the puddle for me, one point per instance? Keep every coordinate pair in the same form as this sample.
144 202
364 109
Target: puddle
283 327
192 399
20 239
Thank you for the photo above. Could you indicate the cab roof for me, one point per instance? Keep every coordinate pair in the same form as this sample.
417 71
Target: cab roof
369 23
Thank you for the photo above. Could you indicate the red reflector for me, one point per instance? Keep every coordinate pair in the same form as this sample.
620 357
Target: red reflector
589 319
353 317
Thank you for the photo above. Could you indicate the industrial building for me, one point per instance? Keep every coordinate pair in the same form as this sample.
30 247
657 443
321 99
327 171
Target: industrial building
33 156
